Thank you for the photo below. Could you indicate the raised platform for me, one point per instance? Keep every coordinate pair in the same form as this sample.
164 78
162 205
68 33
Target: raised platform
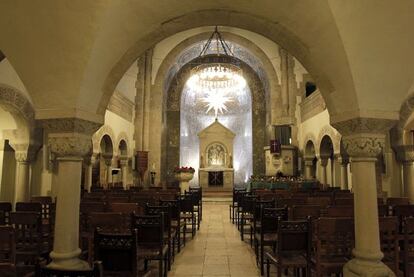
217 195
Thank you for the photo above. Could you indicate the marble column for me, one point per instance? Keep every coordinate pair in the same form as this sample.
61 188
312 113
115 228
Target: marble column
343 162
324 163
363 140
308 168
69 140
124 171
89 162
405 155
24 156
108 164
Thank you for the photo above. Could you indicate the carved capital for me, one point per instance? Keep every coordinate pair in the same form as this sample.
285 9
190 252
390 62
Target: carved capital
123 161
70 137
308 162
70 145
364 125
25 152
70 125
405 153
342 160
364 137
364 145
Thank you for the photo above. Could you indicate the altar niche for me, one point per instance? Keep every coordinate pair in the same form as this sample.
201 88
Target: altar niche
216 156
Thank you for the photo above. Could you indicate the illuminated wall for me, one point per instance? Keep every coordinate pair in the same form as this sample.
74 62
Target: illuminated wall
237 118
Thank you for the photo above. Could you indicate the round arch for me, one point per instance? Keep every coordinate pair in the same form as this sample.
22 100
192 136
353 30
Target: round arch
271 30
97 138
123 144
172 111
335 138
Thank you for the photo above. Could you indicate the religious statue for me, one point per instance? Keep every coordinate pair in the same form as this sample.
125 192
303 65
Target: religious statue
216 155
230 161
201 161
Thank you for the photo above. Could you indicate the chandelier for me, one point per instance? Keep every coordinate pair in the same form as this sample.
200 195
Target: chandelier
217 79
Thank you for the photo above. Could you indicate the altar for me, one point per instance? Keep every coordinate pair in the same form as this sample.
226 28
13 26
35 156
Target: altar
216 157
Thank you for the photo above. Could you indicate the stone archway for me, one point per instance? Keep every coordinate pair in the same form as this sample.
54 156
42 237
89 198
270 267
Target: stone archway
172 115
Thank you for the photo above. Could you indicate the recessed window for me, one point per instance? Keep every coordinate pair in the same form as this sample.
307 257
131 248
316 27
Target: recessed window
310 88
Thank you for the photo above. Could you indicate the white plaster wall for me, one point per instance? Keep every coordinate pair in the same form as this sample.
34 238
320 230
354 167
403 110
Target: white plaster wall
127 84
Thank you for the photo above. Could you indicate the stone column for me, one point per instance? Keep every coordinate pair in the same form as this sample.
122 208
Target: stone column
89 162
324 163
308 168
363 140
69 140
108 164
405 154
124 171
343 162
24 155
284 62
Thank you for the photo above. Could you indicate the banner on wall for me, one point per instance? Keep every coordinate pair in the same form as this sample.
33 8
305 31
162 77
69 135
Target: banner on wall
275 147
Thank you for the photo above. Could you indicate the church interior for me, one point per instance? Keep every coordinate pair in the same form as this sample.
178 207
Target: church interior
206 138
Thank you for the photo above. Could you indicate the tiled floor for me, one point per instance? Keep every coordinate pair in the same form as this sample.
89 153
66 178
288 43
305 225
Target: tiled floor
216 250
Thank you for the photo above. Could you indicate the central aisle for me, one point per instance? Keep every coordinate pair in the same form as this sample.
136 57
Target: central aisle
216 250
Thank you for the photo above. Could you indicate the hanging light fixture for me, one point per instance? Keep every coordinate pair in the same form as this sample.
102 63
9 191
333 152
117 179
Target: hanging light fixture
219 77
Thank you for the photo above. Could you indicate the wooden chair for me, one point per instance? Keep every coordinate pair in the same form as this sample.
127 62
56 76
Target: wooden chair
117 199
194 196
237 195
177 223
187 213
293 247
302 212
43 271
340 211
255 224
29 240
389 232
6 208
150 239
117 253
344 201
334 241
7 245
126 208
320 201
407 250
169 232
403 211
29 207
289 202
247 209
383 210
8 270
268 232
198 195
394 201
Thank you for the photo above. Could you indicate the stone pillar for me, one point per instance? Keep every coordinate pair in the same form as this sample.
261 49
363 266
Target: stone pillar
405 154
108 164
324 163
363 140
308 168
24 156
124 171
69 140
89 162
284 63
343 162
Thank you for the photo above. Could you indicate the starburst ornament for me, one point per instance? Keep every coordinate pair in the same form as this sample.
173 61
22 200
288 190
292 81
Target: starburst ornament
216 101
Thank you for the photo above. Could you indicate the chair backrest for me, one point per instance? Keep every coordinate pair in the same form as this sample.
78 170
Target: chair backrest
92 207
29 207
334 238
149 229
344 201
340 211
270 218
383 210
6 207
174 208
403 211
389 232
186 204
7 244
43 271
262 204
247 203
302 212
294 237
117 199
393 201
28 230
126 208
282 202
117 252
322 201
164 209
109 222
408 246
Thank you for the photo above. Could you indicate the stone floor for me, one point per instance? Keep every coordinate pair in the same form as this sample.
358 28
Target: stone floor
216 250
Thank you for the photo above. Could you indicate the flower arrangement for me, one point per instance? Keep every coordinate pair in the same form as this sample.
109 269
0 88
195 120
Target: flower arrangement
184 169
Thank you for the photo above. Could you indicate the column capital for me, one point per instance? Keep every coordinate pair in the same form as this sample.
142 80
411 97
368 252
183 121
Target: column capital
70 137
405 153
25 152
308 162
342 159
123 160
364 137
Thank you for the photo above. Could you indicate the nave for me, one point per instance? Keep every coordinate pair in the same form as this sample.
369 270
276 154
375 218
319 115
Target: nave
217 249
